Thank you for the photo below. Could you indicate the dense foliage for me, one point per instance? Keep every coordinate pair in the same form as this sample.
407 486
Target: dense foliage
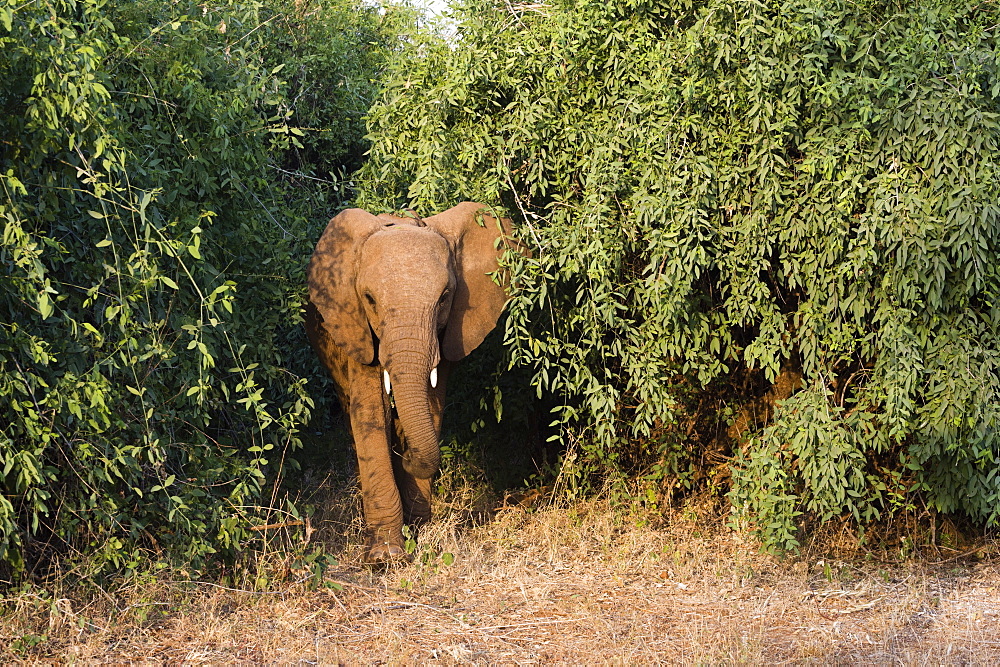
165 168
736 194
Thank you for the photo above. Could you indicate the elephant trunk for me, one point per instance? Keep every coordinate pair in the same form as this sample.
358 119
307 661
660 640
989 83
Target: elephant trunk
409 364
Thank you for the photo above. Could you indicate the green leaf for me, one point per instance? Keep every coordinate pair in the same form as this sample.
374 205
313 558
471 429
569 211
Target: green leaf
45 306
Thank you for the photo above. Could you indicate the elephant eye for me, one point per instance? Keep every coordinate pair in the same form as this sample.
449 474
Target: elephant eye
444 296
370 299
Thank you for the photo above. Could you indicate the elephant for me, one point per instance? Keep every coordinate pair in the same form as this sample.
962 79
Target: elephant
393 303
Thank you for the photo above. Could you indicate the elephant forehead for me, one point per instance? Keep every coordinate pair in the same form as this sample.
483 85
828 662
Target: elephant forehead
404 244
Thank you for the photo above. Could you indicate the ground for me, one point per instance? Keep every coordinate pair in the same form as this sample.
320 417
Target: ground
580 584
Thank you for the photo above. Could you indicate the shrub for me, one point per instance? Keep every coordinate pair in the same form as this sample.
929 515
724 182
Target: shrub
716 192
153 257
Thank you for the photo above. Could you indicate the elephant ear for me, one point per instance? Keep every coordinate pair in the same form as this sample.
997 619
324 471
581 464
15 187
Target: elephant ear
477 239
332 274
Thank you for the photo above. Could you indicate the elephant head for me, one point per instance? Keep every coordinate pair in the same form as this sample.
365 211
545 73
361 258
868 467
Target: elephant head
404 293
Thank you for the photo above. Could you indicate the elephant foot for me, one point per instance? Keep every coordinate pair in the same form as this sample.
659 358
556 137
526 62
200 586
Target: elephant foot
385 547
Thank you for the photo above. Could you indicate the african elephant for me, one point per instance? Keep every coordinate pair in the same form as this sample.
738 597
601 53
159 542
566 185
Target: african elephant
393 303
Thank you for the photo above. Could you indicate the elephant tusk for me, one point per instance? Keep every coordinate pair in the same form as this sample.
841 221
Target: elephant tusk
388 386
434 378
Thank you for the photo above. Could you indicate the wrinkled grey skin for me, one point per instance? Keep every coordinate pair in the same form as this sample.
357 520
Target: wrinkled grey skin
396 301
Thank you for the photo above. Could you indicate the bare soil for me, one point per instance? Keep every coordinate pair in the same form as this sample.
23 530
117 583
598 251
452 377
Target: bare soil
571 585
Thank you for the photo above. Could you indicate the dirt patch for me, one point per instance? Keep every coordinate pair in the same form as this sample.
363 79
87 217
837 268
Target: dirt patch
555 586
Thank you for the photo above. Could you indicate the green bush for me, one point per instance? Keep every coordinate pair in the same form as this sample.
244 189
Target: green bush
154 242
717 191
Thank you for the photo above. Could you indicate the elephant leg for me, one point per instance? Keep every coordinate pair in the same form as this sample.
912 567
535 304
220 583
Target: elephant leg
415 494
370 424
416 491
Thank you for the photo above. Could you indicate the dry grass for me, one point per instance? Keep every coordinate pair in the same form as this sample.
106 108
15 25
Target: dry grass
577 585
